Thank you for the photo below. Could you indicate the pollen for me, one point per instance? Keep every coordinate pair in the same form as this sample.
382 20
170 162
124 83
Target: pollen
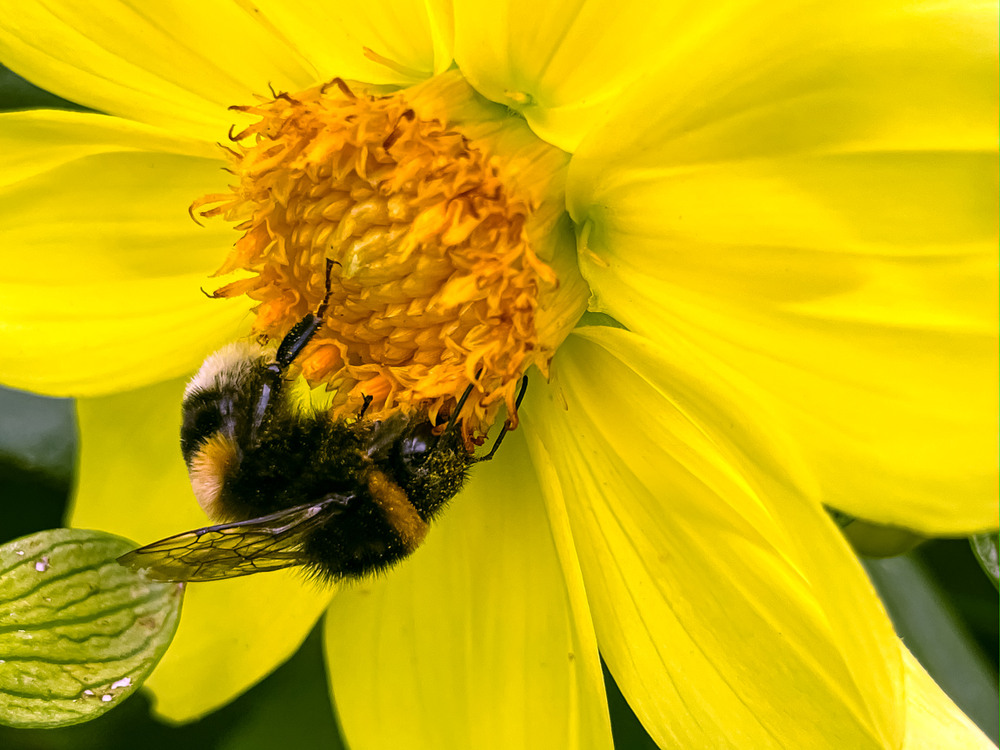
435 238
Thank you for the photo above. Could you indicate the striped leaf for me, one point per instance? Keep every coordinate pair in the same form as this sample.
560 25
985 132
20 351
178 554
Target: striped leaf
985 547
78 632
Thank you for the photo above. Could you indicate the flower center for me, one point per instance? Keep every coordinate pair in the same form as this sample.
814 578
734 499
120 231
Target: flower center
435 282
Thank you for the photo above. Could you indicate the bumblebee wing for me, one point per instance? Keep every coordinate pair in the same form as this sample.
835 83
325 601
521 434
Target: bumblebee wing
230 550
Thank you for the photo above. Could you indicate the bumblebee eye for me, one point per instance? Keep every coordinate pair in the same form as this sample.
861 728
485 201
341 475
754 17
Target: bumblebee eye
208 422
413 448
200 421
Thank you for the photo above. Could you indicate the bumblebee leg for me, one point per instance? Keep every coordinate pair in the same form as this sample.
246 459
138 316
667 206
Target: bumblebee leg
303 331
289 348
452 425
507 424
453 419
321 310
366 402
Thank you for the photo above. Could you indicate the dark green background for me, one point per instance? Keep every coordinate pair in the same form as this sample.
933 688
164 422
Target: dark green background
942 604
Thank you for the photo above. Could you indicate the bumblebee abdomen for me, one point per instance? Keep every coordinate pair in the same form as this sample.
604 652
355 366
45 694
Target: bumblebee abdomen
398 510
379 528
210 466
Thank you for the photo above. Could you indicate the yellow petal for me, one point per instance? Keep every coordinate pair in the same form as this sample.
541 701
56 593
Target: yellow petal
232 635
474 641
174 65
131 481
814 223
933 721
34 141
561 64
782 78
101 264
728 607
409 40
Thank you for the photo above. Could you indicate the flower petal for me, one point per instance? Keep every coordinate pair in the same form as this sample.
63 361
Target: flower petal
475 641
179 66
413 38
132 481
34 141
101 263
933 721
815 224
728 607
232 635
561 64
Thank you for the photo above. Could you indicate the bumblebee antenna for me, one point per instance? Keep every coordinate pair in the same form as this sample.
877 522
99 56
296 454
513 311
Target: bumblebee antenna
506 424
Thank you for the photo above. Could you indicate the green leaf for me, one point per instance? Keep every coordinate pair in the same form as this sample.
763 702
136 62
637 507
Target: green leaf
930 627
17 93
78 632
985 547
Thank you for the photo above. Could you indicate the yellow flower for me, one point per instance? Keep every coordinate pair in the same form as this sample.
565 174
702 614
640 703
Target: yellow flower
789 208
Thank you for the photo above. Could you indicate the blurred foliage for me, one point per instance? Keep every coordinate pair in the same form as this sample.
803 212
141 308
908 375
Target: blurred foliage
17 93
951 628
37 459
986 547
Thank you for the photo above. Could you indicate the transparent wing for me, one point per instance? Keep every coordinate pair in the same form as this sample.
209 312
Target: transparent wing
230 550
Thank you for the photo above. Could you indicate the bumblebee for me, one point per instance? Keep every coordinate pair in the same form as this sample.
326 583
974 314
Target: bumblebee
343 498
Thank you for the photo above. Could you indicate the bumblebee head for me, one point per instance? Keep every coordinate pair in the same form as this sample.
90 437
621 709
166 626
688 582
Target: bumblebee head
219 391
218 406
432 467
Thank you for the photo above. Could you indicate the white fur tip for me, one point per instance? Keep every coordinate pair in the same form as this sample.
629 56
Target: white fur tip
226 365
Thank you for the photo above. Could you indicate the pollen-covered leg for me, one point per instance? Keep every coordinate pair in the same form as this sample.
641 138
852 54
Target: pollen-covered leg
509 423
